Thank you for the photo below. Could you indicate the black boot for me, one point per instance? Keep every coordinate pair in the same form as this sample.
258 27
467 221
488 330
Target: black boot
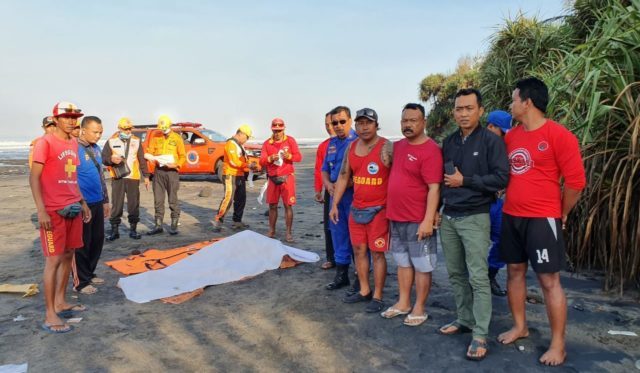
341 279
495 287
114 234
157 228
133 232
355 288
174 226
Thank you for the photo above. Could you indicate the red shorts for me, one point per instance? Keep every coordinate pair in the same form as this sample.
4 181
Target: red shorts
286 190
65 235
375 233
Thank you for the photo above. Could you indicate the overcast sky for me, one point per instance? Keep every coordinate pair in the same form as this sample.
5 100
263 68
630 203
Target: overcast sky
227 63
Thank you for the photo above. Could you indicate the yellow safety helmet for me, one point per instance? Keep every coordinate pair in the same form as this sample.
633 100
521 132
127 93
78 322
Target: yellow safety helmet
164 123
125 123
246 129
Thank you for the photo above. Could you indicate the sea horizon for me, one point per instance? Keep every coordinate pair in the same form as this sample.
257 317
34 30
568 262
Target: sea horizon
19 149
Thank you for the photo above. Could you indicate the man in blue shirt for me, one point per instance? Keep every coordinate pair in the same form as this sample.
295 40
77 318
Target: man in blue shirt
94 191
341 123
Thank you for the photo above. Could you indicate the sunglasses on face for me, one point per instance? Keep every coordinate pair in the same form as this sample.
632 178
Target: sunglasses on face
341 121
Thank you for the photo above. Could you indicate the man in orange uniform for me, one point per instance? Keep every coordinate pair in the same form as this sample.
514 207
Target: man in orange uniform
127 148
366 165
61 212
278 154
324 199
234 162
166 178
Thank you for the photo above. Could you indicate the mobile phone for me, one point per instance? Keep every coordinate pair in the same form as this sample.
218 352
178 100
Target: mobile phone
449 168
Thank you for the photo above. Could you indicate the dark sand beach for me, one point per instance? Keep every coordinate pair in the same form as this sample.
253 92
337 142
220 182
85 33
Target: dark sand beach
282 320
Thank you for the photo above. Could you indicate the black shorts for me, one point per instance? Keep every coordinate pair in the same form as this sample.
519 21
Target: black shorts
539 240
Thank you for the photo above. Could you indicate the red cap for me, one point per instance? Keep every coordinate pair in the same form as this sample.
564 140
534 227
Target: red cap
277 124
66 109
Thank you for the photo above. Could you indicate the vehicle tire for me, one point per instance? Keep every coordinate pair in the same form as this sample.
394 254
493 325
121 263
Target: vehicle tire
218 169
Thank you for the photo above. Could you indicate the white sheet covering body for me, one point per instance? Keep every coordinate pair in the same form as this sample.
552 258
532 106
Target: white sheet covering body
244 254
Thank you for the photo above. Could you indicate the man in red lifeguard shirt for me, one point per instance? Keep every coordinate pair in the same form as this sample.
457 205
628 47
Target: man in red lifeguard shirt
366 165
278 154
541 152
324 199
61 211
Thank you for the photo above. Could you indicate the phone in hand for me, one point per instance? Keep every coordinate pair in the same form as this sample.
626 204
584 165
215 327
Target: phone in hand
449 168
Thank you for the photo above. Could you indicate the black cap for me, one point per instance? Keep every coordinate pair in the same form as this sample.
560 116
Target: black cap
367 113
46 121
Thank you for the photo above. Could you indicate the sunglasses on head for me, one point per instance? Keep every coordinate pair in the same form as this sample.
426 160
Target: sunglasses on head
341 121
69 110
366 113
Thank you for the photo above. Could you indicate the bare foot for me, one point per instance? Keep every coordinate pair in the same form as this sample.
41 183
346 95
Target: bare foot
513 335
402 307
327 265
289 238
271 234
553 357
54 322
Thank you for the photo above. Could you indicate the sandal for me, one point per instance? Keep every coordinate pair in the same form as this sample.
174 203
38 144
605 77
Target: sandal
65 328
411 320
473 349
70 312
375 306
87 290
391 312
97 281
459 329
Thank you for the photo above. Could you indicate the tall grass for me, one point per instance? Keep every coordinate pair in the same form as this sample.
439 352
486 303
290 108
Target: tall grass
598 88
591 62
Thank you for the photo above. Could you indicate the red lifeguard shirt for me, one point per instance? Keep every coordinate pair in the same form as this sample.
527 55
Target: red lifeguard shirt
370 176
317 171
538 160
414 167
59 179
270 147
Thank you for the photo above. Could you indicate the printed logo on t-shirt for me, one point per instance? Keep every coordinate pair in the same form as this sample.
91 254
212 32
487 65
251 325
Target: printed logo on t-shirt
411 157
520 161
543 145
332 149
373 168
